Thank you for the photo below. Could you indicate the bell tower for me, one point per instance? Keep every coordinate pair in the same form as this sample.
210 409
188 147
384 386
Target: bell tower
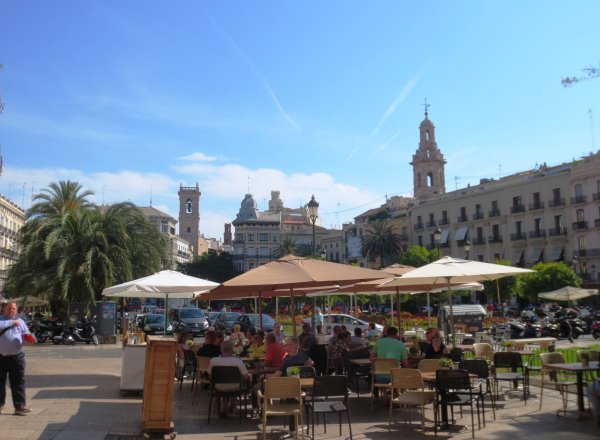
189 215
428 162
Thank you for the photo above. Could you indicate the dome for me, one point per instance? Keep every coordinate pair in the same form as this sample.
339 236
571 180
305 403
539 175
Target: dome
248 208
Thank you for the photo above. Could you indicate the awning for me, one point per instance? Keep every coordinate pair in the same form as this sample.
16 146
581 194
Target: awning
444 237
558 254
460 234
517 257
536 255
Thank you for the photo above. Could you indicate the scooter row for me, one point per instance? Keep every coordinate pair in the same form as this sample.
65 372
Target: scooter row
52 329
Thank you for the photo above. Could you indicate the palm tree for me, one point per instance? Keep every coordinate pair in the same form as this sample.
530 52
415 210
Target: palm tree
287 246
381 242
60 197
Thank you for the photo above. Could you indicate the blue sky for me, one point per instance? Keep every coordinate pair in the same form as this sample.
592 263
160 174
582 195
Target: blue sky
325 98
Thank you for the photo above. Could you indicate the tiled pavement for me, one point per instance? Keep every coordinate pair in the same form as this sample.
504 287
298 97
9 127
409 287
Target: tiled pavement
74 393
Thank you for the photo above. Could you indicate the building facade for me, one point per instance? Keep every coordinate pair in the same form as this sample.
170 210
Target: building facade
189 216
12 219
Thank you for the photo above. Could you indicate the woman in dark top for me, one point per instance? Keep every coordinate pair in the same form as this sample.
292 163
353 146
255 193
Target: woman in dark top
436 349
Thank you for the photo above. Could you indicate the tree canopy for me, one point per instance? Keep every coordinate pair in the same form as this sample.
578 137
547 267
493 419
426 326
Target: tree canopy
417 256
211 266
547 277
380 241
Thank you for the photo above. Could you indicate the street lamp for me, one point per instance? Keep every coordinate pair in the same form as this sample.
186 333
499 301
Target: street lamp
467 246
593 267
324 254
437 238
313 215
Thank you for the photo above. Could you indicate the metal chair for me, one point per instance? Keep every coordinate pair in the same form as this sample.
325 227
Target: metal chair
508 367
189 365
481 369
408 386
329 395
454 389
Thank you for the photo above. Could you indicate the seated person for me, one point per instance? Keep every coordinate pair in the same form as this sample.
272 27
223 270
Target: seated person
237 336
209 348
279 336
307 338
372 333
336 333
294 358
436 349
341 349
357 340
274 353
391 347
257 349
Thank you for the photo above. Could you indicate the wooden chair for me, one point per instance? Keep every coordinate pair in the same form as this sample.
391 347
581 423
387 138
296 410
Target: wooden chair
408 386
483 350
561 380
282 397
429 365
381 376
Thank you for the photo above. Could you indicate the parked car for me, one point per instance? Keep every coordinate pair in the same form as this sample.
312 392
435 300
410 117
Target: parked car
331 320
225 320
192 319
211 316
154 324
253 320
138 321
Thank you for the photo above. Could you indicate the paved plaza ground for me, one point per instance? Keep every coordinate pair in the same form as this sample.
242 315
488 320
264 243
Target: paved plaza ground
74 393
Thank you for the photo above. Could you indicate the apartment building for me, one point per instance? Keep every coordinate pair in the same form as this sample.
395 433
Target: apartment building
12 219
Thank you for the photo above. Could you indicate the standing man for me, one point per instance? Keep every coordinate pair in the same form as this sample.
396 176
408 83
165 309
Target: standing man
12 359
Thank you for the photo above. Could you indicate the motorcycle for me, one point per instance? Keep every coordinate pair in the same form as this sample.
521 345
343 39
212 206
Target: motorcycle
45 329
82 331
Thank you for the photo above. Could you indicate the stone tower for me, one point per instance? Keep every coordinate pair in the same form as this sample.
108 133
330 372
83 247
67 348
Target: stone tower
428 163
189 215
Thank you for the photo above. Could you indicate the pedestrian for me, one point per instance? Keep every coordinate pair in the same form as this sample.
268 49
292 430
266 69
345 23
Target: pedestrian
490 310
13 332
319 320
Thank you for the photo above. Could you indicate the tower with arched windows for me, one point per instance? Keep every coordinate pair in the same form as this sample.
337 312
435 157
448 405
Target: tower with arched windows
189 215
428 163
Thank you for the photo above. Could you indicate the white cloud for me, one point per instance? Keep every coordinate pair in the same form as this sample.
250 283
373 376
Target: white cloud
399 100
198 156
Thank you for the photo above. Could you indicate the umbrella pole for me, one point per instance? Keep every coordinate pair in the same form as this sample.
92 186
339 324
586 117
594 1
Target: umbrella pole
260 309
293 311
392 309
428 311
451 312
398 306
498 294
166 313
276 308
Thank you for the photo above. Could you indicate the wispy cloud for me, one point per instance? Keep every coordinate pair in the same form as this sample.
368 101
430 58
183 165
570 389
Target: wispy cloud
385 144
399 100
257 73
352 153
199 157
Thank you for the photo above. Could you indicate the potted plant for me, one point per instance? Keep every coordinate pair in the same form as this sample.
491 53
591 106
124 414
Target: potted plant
584 356
509 345
446 362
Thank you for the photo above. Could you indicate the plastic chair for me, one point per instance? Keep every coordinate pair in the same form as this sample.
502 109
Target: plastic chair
454 389
235 387
429 365
202 376
408 385
561 380
381 376
282 397
329 395
483 350
510 360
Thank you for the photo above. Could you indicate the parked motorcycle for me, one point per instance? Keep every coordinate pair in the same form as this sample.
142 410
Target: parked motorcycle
45 329
82 331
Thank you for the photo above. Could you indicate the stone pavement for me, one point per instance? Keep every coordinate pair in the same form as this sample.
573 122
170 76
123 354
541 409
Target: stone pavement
74 393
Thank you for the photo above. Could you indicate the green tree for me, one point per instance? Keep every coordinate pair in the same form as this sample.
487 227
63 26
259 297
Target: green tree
547 277
506 285
211 266
59 198
381 242
416 256
379 215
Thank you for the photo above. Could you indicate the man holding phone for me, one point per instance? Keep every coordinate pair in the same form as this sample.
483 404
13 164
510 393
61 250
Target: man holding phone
13 332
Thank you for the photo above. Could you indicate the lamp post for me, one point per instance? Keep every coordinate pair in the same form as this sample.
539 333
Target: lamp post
437 238
593 268
313 215
467 247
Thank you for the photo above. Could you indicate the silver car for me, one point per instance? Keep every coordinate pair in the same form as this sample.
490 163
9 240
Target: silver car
331 320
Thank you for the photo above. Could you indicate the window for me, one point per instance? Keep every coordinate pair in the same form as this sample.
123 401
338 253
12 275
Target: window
578 190
580 215
263 252
581 243
189 230
556 194
251 252
250 237
274 237
239 237
188 206
478 208
558 222
263 236
517 201
444 217
519 227
536 199
479 234
538 225
420 240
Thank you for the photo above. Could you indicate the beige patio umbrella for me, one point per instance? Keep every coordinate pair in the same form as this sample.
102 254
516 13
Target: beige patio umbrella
30 301
286 275
568 293
448 270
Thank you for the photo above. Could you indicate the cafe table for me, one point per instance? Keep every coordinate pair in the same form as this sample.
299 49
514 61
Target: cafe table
578 368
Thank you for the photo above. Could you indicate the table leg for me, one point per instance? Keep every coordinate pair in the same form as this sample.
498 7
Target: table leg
580 404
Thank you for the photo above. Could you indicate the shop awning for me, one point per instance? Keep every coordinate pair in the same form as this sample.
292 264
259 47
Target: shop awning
461 234
536 255
558 253
517 257
444 237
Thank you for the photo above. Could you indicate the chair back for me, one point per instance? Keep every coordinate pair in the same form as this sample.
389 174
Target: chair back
478 367
468 341
189 356
456 354
384 365
429 365
202 363
283 388
507 359
552 358
594 354
407 378
448 380
222 374
361 353
308 372
330 386
483 349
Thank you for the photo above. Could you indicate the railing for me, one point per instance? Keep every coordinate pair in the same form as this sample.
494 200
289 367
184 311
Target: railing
556 202
596 196
418 226
518 236
577 226
540 233
494 213
495 239
444 221
514 209
578 199
478 216
431 224
461 219
557 231
478 241
594 252
536 205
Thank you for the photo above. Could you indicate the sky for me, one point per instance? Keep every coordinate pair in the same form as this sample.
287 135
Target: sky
133 98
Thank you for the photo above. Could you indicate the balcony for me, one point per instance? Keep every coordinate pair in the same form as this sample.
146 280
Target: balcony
540 233
556 202
462 218
597 223
578 199
431 224
596 196
478 241
586 253
578 226
553 232
403 237
518 236
418 226
478 216
536 206
495 239
515 209
494 213
444 221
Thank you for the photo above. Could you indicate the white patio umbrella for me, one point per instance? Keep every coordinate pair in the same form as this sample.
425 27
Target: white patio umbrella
568 293
448 270
164 284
